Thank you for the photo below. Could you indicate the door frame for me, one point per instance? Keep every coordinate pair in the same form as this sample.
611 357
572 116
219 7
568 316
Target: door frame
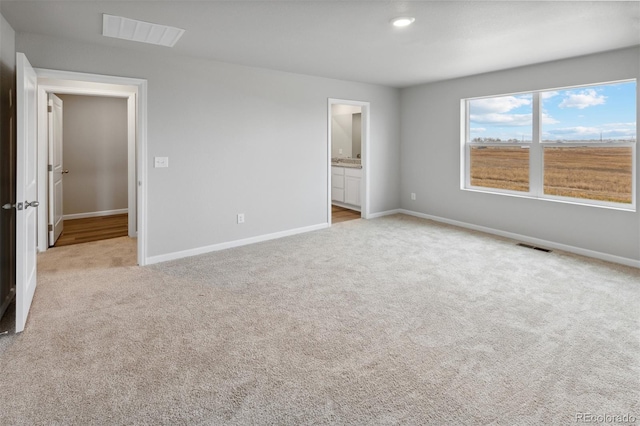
365 151
135 91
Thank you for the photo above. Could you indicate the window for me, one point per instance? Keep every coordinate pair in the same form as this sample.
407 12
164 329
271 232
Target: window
499 155
572 144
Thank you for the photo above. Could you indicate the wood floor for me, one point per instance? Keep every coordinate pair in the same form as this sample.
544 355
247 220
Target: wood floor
78 231
340 214
104 227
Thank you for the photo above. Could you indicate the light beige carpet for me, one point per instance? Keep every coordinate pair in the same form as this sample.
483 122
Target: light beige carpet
395 320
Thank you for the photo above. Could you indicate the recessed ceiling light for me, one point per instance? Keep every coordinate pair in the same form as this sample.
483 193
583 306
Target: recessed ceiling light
403 21
144 32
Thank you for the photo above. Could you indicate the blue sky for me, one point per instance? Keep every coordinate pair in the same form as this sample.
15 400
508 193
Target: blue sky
572 114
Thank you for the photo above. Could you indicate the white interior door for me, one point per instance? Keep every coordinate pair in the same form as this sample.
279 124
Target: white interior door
26 188
56 170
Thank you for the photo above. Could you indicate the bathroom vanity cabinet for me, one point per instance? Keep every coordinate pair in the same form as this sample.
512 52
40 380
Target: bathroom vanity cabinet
345 185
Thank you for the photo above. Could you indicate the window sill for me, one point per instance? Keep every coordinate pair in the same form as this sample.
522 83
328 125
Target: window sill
574 202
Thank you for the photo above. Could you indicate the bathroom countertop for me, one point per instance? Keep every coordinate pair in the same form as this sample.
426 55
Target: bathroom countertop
347 165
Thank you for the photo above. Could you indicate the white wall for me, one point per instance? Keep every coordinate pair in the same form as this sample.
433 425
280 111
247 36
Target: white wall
95 153
239 140
430 158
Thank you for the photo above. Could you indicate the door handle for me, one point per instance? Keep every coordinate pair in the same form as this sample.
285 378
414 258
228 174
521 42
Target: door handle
20 206
64 172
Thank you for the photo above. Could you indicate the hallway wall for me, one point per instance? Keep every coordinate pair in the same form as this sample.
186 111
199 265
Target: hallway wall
95 153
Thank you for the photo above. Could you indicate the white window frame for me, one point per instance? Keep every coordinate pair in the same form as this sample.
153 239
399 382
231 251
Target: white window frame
536 154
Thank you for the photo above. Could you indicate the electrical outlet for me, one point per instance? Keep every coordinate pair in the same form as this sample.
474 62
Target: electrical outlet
160 162
413 196
240 217
340 151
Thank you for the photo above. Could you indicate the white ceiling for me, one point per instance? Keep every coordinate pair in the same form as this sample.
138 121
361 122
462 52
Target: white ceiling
353 40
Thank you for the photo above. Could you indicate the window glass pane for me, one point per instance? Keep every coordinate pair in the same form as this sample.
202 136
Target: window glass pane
501 119
594 173
500 167
603 113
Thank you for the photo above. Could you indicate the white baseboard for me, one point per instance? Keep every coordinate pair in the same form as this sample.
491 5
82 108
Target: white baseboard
531 240
94 214
237 243
518 237
384 213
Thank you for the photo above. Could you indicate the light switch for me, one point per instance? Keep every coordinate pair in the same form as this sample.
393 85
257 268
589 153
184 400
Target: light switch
161 162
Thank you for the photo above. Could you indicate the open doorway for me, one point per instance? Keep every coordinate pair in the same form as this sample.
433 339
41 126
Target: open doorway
127 201
88 178
348 132
32 164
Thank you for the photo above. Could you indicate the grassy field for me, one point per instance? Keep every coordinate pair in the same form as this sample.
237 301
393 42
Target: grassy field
595 173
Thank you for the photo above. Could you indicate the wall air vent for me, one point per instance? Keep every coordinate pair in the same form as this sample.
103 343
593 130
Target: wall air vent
534 247
144 32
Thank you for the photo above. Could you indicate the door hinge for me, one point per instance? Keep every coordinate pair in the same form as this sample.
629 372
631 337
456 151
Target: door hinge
50 167
50 228
49 108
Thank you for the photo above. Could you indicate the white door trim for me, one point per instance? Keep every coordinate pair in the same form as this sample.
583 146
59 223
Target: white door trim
366 141
135 90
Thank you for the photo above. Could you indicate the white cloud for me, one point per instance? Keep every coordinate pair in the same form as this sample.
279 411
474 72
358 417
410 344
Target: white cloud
619 133
619 130
478 129
625 125
502 119
547 119
498 105
547 95
608 131
582 99
576 131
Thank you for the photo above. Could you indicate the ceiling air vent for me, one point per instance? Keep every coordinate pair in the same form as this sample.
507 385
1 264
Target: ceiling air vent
144 32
